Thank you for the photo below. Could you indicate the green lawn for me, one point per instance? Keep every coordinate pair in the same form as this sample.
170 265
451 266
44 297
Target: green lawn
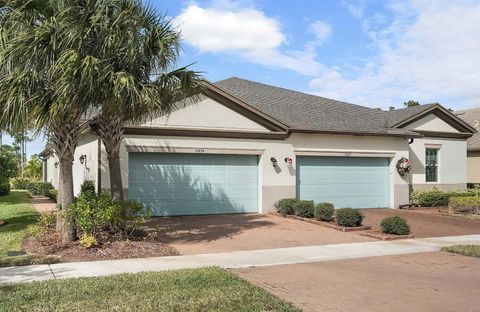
465 250
208 289
19 213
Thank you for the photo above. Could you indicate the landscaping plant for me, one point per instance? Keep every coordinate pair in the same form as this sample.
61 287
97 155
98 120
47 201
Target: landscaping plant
286 206
349 217
468 205
19 183
395 225
438 198
39 188
304 208
324 212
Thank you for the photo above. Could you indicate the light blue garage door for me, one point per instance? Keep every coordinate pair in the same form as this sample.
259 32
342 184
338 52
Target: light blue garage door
355 182
191 184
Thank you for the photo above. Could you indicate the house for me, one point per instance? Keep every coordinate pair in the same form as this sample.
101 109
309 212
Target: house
472 117
245 145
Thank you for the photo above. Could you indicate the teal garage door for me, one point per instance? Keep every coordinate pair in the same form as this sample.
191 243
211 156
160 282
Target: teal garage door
192 184
356 182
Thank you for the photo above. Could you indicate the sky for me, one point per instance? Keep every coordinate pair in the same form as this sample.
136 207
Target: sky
372 53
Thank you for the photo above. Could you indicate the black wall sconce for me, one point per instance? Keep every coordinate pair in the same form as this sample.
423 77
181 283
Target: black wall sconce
55 164
82 158
274 161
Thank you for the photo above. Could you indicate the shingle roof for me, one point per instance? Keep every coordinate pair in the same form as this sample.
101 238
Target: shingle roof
301 111
470 116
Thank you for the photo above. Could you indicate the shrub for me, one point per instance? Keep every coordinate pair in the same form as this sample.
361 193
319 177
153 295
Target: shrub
465 204
304 208
4 188
20 183
53 194
97 214
285 206
87 186
395 225
437 198
324 212
88 241
39 188
349 217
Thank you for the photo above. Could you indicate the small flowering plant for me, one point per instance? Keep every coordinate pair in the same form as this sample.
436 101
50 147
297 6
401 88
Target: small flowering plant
403 166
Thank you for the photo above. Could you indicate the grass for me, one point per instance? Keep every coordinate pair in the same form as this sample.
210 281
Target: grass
17 210
465 250
207 289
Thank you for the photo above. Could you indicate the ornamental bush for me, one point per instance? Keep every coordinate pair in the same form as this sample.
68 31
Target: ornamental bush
470 205
324 212
20 183
87 186
4 188
438 198
53 194
285 206
349 217
39 188
395 225
304 208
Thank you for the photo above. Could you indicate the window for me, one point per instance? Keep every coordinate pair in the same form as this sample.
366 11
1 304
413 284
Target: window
431 165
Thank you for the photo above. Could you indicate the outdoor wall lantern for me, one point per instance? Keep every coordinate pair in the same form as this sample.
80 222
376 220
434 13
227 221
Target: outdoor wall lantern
55 164
82 158
289 161
274 161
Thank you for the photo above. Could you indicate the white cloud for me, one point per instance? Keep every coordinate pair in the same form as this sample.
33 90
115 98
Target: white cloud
322 30
429 52
248 33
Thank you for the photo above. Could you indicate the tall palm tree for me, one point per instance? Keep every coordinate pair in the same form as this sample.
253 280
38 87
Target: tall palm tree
138 53
45 78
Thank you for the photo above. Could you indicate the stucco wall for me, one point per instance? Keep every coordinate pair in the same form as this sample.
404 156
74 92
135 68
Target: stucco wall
473 167
452 168
52 172
431 123
88 171
279 183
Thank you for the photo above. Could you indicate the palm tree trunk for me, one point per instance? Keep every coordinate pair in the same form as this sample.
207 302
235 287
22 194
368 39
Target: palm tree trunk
110 130
64 139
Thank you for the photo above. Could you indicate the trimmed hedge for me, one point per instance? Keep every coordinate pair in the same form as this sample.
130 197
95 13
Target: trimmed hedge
469 205
20 183
39 188
285 206
438 198
53 194
304 208
395 225
349 217
324 212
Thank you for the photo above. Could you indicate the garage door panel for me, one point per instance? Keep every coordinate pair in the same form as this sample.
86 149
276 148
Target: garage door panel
344 181
186 184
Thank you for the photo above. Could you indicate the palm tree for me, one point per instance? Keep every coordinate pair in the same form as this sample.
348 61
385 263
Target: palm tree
138 52
44 79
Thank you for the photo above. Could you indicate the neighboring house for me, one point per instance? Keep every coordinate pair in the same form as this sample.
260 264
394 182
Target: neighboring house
472 117
245 145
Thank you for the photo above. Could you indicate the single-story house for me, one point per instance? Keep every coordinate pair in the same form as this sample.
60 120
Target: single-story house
244 145
472 117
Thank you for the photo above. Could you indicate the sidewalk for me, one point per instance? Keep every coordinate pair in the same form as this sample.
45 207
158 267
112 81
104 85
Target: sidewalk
237 259
43 204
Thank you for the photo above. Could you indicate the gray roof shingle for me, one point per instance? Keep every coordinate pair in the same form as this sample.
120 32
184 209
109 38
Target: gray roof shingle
301 111
470 116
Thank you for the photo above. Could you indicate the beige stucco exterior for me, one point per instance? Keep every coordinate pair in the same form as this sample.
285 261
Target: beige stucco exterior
278 183
473 167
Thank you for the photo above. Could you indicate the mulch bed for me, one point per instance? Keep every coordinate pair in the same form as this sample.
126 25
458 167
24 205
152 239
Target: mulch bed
49 244
383 236
331 224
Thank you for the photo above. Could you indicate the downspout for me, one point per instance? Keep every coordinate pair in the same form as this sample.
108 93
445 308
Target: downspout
99 165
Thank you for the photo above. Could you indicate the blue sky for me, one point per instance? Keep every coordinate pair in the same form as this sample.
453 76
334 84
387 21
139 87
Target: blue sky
372 53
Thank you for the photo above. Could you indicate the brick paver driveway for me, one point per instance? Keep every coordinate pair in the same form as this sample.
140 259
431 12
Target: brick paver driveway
424 223
223 233
433 281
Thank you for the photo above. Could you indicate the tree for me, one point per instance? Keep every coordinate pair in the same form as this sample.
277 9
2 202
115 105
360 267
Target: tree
137 54
33 168
411 103
391 108
42 86
8 163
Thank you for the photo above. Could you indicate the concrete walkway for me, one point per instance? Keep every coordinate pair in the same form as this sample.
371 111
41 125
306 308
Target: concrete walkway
236 259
